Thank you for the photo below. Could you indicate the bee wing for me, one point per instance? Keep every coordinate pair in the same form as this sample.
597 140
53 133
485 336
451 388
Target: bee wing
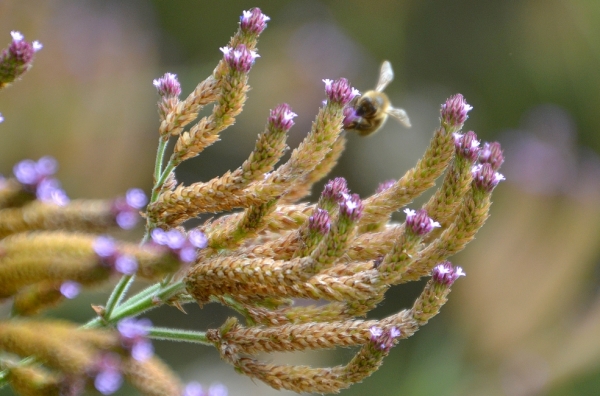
386 75
400 115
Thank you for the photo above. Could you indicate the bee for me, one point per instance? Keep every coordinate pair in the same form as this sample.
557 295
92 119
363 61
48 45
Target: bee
370 111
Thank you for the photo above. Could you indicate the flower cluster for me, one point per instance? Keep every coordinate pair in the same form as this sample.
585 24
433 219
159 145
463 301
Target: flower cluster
266 249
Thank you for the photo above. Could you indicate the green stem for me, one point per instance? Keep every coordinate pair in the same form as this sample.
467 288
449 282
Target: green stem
161 333
136 305
116 296
160 154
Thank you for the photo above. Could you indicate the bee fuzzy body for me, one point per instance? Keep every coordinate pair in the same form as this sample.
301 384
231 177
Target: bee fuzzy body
370 111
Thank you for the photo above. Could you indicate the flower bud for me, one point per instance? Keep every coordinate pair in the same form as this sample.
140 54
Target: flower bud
282 117
352 207
239 59
485 178
492 154
340 91
467 145
168 86
419 223
319 221
454 111
384 339
253 21
446 274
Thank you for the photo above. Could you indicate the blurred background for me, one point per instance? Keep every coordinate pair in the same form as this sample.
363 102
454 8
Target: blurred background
526 319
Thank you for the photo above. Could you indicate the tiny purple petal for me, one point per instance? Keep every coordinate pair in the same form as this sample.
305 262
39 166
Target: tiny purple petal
187 254
17 36
125 264
136 198
239 59
319 221
492 154
58 197
467 145
26 172
175 239
335 189
485 178
127 220
168 85
217 390
104 246
108 382
385 185
394 332
198 238
419 222
253 21
454 111
37 46
282 117
159 236
446 274
352 207
375 331
142 350
193 389
1 118
46 166
70 289
339 91
131 328
350 117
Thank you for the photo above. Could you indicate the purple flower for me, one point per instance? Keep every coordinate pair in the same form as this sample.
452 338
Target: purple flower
17 58
126 209
485 178
385 185
127 220
48 190
239 58
134 338
282 117
383 339
350 117
198 239
104 246
26 173
352 207
217 390
492 154
467 145
70 289
181 245
340 91
106 249
454 111
419 222
253 21
136 198
126 265
193 389
335 190
446 274
108 374
37 178
168 86
1 118
319 221
46 166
